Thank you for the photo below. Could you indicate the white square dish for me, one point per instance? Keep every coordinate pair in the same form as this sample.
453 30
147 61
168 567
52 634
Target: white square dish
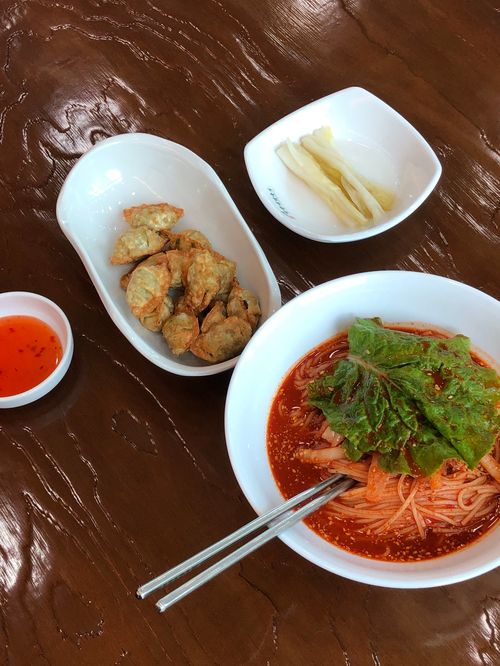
132 169
376 140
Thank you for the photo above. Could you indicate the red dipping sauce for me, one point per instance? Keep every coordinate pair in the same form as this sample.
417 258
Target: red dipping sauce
29 352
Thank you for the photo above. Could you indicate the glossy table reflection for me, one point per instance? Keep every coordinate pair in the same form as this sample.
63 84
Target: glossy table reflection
122 471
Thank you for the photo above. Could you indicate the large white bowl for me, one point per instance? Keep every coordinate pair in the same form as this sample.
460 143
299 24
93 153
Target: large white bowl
131 169
300 325
373 137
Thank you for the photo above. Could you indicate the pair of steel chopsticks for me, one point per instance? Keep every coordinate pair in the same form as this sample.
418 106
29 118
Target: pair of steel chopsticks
277 520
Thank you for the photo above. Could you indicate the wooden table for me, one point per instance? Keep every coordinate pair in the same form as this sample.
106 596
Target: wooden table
122 470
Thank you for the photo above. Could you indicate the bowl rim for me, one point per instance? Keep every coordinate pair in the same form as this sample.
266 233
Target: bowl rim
164 362
368 232
405 579
52 380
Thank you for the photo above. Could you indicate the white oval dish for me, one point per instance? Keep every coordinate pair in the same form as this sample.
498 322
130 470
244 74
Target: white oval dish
300 325
131 169
378 142
13 303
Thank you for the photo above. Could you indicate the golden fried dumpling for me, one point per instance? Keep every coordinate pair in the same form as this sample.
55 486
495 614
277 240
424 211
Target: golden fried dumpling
189 240
201 279
155 320
160 258
136 244
180 332
223 340
215 315
244 304
147 287
177 263
226 270
159 217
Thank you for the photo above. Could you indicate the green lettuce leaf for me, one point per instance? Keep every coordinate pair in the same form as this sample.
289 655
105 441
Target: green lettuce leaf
414 399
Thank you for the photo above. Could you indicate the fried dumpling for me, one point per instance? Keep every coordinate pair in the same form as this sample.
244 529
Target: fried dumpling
223 340
244 304
147 287
155 320
159 217
189 240
180 332
202 280
135 244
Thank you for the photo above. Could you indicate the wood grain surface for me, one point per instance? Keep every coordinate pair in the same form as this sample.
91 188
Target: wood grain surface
110 479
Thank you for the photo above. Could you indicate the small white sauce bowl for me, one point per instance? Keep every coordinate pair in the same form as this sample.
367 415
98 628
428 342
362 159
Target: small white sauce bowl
25 303
375 139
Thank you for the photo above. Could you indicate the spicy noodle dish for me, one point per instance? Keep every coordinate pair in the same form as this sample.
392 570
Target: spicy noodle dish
413 416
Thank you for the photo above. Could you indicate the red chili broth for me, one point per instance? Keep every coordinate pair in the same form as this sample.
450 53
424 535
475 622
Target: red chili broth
293 475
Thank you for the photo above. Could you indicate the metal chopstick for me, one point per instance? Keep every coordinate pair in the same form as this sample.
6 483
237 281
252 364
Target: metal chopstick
194 561
278 524
217 568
